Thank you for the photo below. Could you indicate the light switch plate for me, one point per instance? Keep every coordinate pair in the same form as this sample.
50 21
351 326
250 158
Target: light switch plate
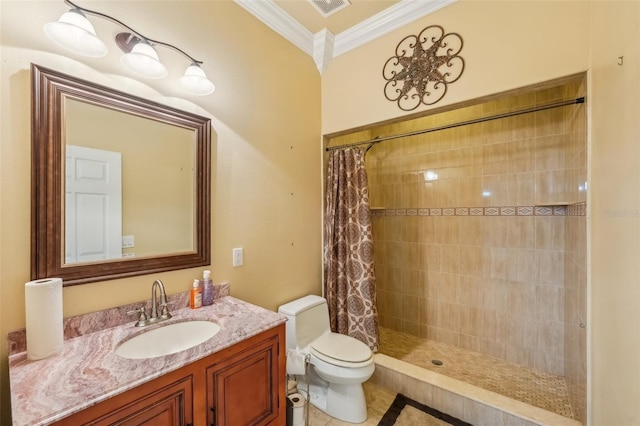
238 256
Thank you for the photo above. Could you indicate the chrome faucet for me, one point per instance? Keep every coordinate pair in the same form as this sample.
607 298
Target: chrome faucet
143 319
164 312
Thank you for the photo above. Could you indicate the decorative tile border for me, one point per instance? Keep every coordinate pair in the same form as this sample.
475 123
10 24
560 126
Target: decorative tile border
578 209
525 210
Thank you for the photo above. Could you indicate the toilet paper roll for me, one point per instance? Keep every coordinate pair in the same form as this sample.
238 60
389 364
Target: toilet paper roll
43 309
295 361
297 401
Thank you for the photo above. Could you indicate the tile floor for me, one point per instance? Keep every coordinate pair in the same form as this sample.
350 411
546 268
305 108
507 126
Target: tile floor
536 388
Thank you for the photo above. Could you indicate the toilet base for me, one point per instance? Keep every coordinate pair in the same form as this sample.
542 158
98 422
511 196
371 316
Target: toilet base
347 403
343 402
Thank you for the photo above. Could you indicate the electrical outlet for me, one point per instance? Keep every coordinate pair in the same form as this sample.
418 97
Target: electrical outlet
128 241
238 256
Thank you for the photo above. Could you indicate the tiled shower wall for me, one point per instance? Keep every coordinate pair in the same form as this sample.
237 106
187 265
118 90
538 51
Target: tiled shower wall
575 364
479 231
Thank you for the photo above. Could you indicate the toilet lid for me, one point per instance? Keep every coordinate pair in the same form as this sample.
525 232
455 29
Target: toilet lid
341 347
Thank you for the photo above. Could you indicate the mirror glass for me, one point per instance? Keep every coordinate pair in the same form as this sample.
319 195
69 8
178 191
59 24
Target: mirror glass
120 184
127 178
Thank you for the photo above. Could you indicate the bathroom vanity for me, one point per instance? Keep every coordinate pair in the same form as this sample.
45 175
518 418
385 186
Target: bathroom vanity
237 377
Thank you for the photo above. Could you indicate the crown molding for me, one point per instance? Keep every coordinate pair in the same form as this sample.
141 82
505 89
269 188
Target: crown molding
323 49
324 46
388 20
281 22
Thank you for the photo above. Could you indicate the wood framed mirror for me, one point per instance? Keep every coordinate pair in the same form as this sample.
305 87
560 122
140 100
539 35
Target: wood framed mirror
120 185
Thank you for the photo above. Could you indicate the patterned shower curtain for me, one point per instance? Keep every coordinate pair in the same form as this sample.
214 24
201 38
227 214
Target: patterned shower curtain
350 283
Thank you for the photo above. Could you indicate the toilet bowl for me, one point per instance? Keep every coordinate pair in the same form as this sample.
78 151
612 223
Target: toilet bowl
339 364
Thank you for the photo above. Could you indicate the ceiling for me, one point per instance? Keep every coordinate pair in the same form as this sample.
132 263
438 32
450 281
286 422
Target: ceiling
355 12
356 23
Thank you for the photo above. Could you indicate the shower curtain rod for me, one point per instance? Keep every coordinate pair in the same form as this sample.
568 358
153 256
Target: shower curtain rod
379 139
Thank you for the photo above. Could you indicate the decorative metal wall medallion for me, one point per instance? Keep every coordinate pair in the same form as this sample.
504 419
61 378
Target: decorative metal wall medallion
422 68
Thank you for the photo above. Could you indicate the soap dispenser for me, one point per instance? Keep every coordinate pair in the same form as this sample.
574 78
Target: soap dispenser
195 296
207 289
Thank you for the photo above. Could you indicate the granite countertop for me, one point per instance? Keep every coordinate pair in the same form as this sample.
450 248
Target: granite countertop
88 371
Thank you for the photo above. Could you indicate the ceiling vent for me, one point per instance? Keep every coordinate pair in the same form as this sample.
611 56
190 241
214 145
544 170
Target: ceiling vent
329 7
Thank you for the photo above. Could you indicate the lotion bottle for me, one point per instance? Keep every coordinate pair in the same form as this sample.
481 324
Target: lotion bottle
207 289
195 299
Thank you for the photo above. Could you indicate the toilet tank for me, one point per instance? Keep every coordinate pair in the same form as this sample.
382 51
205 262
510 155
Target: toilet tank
307 319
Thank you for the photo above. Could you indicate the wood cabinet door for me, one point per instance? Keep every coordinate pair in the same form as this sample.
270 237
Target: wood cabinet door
151 404
242 390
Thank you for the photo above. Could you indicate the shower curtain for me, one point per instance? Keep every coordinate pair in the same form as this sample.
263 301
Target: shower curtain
350 283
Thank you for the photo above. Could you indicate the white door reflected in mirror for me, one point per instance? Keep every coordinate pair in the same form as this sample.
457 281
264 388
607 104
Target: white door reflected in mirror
93 204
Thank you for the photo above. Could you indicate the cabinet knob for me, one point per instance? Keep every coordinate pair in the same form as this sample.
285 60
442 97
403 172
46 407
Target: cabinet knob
213 412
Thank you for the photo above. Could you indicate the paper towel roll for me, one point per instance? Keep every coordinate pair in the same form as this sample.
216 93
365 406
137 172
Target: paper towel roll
43 308
295 361
297 401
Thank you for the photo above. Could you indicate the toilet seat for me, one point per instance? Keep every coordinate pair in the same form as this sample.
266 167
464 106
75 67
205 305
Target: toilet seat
341 350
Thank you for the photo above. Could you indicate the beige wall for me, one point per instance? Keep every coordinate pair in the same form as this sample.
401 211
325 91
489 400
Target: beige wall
265 159
515 44
614 210
507 44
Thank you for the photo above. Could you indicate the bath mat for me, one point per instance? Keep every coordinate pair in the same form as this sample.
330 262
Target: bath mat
407 412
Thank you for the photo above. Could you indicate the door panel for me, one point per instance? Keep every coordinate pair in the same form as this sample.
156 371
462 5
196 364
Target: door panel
243 390
93 205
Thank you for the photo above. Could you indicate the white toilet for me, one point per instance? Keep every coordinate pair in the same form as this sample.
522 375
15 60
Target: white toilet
339 363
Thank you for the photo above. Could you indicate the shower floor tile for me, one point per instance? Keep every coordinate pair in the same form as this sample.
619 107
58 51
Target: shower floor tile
543 390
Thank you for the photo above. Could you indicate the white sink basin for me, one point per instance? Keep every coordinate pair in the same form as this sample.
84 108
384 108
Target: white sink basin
168 339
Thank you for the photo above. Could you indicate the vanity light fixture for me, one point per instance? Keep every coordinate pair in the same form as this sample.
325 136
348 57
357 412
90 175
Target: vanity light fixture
74 32
195 81
140 57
